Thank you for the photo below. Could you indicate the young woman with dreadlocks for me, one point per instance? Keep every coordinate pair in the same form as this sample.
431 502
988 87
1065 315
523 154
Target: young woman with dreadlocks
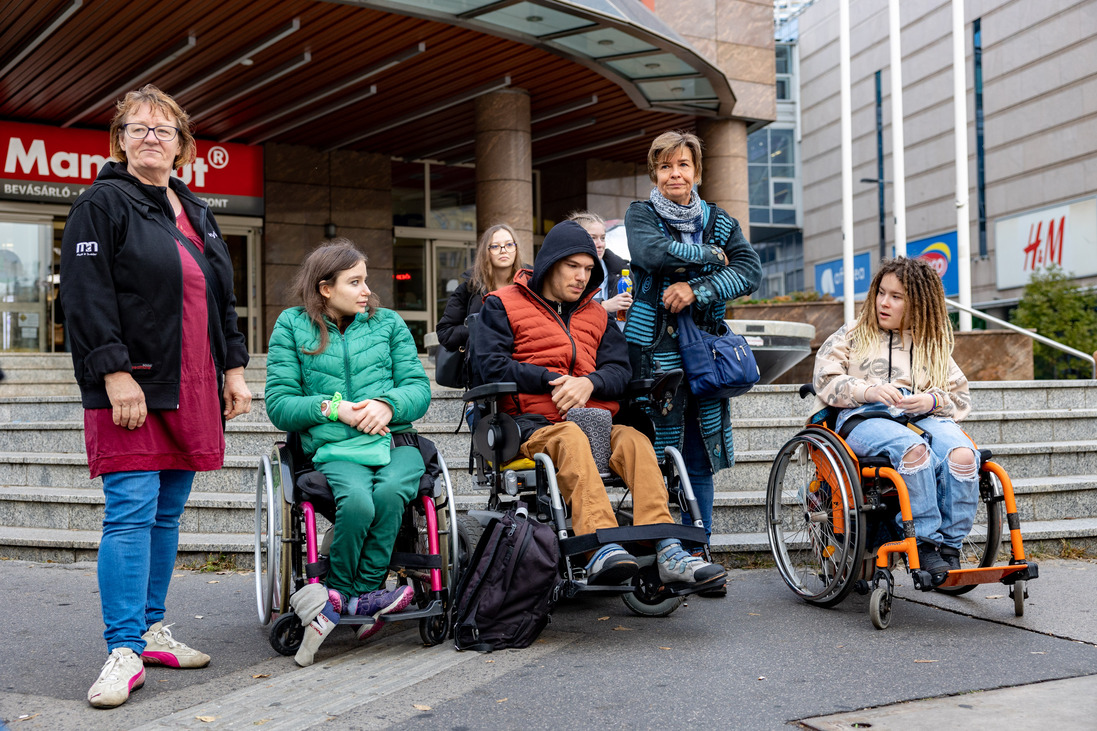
897 358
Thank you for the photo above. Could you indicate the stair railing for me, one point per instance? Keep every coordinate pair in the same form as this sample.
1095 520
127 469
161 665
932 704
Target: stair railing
1038 338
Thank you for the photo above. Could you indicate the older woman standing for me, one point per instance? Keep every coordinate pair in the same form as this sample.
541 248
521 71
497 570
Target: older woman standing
685 253
146 283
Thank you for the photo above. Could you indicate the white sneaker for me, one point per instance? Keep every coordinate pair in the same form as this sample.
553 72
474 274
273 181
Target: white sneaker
163 649
122 673
315 633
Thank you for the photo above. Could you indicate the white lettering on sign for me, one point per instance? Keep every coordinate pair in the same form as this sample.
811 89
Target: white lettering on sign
1063 236
215 202
196 170
61 164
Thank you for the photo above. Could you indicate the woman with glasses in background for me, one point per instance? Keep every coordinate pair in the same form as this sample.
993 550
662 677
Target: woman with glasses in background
497 261
146 284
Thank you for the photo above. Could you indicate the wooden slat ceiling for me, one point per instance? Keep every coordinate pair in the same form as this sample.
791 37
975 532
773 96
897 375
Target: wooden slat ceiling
107 43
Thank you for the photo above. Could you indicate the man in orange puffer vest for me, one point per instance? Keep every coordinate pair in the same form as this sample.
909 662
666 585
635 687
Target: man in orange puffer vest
545 333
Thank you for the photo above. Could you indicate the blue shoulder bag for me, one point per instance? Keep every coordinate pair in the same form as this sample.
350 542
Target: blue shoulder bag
716 366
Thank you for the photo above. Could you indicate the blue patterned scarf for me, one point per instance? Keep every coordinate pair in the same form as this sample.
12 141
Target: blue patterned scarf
687 219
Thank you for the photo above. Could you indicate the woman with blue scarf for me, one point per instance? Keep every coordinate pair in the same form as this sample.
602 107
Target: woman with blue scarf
685 253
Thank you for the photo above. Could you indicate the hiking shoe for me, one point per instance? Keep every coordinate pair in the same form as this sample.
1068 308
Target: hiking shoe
163 649
315 633
383 601
676 564
365 631
122 673
930 560
611 565
951 556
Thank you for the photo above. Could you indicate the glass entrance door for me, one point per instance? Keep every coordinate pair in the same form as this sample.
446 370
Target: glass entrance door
25 324
425 272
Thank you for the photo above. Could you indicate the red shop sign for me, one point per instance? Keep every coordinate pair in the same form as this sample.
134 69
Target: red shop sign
54 165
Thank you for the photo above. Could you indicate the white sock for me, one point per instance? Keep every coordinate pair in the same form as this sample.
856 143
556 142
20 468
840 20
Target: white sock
315 633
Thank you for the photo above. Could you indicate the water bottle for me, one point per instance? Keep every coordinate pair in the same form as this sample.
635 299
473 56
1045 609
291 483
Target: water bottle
624 284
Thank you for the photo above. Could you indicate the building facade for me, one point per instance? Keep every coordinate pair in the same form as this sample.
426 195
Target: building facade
407 126
1031 80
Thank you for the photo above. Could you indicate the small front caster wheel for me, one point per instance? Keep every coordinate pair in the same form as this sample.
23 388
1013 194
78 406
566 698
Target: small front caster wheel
1019 594
879 608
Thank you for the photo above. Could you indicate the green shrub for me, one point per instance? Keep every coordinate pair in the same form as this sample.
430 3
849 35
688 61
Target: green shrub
1055 308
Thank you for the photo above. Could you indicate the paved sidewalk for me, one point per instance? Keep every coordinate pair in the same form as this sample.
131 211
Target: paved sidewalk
768 659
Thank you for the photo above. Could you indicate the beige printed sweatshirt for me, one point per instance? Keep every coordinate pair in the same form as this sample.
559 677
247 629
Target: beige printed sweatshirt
842 383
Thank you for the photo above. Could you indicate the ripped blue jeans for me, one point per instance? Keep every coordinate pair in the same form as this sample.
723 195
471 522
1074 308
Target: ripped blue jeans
943 486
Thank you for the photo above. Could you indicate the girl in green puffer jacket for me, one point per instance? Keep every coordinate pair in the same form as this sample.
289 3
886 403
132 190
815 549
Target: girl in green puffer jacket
346 375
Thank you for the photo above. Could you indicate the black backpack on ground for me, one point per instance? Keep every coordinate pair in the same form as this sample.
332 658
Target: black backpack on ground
510 587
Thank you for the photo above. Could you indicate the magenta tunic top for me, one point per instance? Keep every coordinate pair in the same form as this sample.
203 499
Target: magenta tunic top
189 438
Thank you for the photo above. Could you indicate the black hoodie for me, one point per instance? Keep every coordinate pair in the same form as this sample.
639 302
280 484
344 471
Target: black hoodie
122 287
494 342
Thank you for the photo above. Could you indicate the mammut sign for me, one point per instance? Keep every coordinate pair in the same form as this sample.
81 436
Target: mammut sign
53 165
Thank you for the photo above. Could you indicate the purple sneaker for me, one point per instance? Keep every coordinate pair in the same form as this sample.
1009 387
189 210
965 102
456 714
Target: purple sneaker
384 601
365 631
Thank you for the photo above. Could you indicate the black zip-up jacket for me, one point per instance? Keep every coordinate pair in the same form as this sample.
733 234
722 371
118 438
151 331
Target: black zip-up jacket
122 287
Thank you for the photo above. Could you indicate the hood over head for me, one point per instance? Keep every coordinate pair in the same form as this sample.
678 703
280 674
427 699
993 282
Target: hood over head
565 238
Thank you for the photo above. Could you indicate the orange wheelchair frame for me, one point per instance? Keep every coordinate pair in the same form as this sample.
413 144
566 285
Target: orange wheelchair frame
830 517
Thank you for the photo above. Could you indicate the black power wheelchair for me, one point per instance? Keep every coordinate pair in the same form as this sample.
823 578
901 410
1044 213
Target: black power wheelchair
290 494
830 517
519 484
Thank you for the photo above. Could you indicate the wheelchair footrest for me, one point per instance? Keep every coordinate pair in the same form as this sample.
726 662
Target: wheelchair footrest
988 575
630 534
432 609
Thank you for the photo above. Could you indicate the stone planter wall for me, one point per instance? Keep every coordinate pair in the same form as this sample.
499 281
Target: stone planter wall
983 355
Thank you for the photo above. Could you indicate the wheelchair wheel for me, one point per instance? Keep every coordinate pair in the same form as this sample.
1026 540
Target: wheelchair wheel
433 630
816 530
267 544
469 532
286 634
980 548
1019 592
647 600
879 608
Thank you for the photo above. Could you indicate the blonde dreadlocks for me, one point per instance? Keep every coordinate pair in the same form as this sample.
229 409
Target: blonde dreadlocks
924 315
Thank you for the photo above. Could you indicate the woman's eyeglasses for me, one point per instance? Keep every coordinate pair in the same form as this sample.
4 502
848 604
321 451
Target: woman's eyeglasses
494 248
163 133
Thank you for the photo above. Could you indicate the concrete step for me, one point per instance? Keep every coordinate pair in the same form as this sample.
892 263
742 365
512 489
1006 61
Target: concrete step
66 546
71 470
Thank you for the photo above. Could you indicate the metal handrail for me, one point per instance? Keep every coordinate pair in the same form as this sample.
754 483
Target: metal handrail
1039 338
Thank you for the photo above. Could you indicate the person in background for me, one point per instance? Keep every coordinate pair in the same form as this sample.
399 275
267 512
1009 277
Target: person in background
898 356
612 265
496 262
685 253
346 374
146 285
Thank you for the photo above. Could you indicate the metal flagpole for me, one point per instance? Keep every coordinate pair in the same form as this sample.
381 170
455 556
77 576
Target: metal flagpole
847 163
898 163
959 103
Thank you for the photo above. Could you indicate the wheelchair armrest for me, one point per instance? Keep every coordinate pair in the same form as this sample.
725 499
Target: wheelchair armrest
808 389
639 387
490 391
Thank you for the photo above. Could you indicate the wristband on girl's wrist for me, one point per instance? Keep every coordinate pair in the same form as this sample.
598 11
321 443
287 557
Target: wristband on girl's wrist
333 408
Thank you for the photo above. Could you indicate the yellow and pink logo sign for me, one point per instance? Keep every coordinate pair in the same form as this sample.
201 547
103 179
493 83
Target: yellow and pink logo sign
939 252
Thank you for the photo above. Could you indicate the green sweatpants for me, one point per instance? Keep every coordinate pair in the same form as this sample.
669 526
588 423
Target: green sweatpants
369 504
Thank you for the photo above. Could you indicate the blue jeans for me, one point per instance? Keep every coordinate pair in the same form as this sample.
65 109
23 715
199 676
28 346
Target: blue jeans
137 551
700 473
942 503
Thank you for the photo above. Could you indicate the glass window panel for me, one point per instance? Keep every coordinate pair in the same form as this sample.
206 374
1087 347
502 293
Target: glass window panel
783 171
452 198
608 42
759 215
658 64
445 6
677 90
535 20
759 185
758 147
782 59
782 88
783 193
784 216
409 275
780 143
408 194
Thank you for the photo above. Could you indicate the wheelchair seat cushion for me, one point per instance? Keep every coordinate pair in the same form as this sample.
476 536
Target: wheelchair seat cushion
596 424
313 487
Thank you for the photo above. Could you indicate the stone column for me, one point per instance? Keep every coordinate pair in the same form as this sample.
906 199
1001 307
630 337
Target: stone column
504 165
724 170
